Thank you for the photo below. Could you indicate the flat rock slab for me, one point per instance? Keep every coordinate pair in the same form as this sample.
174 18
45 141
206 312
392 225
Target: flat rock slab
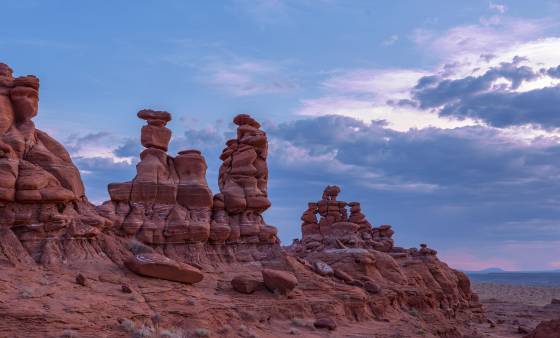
159 266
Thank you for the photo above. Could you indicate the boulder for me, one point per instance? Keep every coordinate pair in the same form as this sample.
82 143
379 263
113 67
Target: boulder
325 323
323 268
280 281
159 266
546 329
245 284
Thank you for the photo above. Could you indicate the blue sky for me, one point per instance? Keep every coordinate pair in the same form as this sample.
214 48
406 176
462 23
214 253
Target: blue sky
441 117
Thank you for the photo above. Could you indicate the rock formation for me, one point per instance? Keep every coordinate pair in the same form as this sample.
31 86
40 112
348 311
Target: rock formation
243 185
351 250
42 199
169 200
338 228
66 265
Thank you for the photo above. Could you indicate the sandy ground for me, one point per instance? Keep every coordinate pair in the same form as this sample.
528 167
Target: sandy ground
514 309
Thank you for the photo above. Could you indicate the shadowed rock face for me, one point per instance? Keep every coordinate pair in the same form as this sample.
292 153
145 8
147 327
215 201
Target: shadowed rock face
165 223
169 200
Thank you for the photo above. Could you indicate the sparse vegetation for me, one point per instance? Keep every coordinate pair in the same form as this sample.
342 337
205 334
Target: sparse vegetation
138 247
69 334
200 332
26 293
300 322
148 331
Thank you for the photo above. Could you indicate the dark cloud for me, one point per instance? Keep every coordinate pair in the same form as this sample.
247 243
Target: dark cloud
130 148
98 172
496 103
452 185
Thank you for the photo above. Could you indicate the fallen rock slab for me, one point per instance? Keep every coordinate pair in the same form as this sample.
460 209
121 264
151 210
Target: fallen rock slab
281 281
159 266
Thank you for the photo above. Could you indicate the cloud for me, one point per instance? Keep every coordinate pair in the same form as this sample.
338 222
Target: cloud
498 97
245 78
499 8
491 34
458 186
373 94
391 40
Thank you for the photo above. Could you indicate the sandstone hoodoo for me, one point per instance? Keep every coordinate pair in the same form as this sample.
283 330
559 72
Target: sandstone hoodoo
42 200
169 200
165 252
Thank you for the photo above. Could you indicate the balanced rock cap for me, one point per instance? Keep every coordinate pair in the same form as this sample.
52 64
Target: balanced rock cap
243 119
148 114
27 81
6 71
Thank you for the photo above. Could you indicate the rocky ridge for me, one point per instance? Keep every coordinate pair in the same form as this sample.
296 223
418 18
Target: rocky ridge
164 252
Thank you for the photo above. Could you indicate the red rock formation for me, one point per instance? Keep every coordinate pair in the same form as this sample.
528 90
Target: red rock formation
42 196
343 275
243 184
349 249
169 200
337 229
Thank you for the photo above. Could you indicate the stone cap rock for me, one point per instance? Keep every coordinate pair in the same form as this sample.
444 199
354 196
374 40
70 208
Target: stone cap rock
190 151
149 114
244 119
5 71
27 81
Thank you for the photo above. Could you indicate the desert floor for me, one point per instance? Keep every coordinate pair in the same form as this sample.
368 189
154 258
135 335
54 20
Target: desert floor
514 309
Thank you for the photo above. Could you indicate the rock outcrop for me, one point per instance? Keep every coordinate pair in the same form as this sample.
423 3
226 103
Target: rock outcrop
546 329
344 246
42 198
339 227
169 200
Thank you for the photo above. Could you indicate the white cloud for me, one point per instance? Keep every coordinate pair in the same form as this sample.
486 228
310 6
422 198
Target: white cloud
391 40
497 7
491 34
248 77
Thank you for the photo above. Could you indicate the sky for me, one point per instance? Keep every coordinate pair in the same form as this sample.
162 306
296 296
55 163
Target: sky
441 117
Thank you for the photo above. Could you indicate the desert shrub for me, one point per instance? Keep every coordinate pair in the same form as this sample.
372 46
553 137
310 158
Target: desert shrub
138 247
69 334
201 332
